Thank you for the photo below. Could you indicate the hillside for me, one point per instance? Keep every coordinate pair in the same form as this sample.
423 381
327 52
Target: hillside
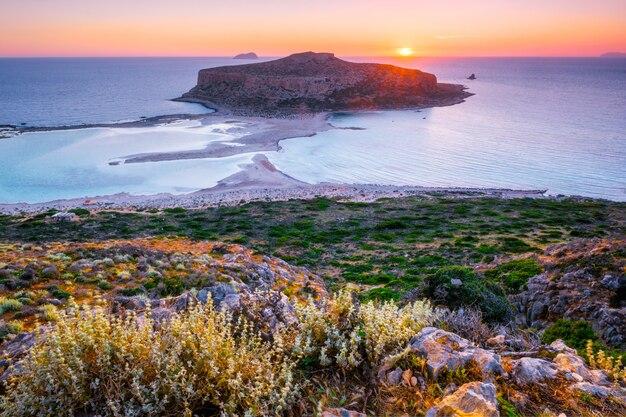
413 306
317 82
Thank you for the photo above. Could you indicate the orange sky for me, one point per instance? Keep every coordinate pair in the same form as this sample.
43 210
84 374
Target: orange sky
279 27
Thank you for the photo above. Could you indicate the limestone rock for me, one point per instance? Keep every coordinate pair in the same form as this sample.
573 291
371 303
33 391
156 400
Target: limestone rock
533 371
445 350
615 392
472 399
573 364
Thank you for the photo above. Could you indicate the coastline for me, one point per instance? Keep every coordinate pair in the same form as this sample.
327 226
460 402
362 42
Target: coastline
261 181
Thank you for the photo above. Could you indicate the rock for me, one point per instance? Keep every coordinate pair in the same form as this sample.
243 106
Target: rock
341 412
318 82
394 377
559 346
219 293
53 301
133 303
406 377
496 340
184 301
50 272
575 365
570 289
445 350
613 282
450 389
247 55
615 391
472 399
16 348
456 282
533 371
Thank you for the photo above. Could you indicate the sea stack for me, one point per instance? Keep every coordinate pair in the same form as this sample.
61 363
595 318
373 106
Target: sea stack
318 82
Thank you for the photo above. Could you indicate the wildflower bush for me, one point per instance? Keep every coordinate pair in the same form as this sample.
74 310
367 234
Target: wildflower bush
111 366
342 332
202 360
607 362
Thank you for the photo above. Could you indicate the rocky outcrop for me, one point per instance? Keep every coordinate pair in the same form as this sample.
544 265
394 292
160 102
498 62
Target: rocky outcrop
533 371
317 82
445 350
472 399
584 280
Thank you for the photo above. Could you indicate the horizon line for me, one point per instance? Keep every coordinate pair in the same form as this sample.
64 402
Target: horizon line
281 56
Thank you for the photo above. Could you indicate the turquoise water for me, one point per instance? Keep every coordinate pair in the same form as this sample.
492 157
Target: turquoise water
555 124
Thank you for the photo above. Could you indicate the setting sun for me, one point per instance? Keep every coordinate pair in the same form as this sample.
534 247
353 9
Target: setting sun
405 51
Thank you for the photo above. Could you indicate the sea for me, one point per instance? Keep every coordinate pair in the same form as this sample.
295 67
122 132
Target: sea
555 124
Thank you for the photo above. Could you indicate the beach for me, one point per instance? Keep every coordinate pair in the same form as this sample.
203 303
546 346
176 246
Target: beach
261 181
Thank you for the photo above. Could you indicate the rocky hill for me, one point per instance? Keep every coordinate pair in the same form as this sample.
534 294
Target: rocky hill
316 82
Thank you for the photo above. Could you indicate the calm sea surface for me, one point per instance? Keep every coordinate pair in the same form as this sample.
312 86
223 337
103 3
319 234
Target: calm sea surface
557 124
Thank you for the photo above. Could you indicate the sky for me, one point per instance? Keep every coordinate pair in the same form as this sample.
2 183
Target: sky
280 27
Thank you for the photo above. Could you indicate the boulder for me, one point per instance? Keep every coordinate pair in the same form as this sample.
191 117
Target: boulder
575 365
133 303
475 399
533 371
445 350
224 296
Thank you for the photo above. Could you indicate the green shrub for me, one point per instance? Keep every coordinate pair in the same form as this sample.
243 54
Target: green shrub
380 294
105 286
175 210
514 275
9 304
442 287
390 224
515 245
80 212
130 292
58 293
575 334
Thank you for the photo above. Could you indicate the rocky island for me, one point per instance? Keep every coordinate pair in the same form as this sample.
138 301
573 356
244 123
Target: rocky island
318 82
247 55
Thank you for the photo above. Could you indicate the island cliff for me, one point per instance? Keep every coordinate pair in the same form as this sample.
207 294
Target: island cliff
317 82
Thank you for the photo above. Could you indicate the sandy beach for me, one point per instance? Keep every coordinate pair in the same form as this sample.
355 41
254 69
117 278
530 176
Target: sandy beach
261 181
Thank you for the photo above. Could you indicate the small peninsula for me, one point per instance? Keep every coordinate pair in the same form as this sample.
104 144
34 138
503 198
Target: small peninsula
247 55
318 82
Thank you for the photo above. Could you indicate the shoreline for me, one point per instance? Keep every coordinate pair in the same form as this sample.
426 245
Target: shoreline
215 198
261 181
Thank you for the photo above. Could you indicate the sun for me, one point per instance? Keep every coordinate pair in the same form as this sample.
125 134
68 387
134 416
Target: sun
405 51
